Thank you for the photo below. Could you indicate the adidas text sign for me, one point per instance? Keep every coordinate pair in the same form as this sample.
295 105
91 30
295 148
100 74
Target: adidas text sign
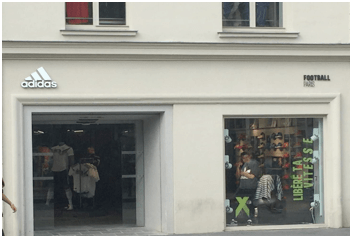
39 79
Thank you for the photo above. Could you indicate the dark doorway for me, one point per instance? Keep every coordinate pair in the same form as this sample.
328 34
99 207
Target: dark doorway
114 195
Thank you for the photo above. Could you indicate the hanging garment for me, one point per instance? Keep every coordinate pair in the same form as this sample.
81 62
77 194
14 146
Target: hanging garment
266 185
85 177
77 9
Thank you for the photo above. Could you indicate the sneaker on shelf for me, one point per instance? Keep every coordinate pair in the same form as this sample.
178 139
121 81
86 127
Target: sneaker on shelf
262 145
285 145
286 176
279 145
286 166
286 155
273 136
261 136
298 155
279 135
238 146
273 146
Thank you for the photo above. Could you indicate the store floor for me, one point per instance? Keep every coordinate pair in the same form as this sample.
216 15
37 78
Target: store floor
294 212
49 218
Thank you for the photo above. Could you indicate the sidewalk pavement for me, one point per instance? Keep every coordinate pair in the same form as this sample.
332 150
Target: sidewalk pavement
108 230
287 232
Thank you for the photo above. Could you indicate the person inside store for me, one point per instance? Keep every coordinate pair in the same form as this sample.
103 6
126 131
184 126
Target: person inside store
5 199
248 172
63 158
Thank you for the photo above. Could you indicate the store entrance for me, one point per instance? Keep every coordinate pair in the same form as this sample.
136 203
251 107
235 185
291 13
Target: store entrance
86 172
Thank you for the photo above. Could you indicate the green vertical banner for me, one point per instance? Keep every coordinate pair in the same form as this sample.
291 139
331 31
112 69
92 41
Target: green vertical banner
303 170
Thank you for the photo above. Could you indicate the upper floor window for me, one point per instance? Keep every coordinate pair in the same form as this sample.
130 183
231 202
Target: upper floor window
249 14
102 13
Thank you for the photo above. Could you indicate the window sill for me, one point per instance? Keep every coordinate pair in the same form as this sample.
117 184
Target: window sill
81 32
258 33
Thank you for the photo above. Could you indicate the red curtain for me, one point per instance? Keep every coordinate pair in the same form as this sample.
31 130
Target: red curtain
77 9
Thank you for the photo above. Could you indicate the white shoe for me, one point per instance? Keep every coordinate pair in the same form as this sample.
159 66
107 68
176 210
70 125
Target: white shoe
234 222
69 208
249 222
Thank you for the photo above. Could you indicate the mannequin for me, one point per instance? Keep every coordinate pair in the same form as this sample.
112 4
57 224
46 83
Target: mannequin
63 158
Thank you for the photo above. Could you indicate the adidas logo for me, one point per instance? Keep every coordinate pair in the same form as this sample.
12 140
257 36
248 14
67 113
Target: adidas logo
39 79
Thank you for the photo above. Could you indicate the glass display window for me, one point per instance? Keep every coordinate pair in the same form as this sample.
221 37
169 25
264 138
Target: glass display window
274 172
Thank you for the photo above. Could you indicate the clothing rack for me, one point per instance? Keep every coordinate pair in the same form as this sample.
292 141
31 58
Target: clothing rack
83 161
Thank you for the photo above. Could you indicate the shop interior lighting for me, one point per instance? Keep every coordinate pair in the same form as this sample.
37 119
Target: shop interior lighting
229 209
314 137
228 165
39 132
315 157
78 131
228 139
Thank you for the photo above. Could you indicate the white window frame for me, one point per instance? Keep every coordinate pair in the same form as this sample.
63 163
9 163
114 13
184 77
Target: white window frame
96 29
96 16
252 31
252 15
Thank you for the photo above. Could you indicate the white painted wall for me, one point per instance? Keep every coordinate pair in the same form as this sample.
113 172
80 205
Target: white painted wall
197 141
317 22
147 74
198 169
152 174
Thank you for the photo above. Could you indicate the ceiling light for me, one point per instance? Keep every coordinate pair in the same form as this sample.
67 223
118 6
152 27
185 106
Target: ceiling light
78 131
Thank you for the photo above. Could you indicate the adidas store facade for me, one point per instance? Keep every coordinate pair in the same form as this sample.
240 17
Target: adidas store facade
184 137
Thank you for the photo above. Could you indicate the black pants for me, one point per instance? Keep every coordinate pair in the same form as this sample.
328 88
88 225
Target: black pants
61 179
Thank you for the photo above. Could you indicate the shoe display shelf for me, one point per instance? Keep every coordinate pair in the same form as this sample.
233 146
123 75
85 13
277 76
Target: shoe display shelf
281 143
279 139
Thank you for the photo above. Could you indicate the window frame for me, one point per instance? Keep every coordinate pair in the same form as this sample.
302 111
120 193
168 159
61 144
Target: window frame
252 18
95 29
261 33
95 19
